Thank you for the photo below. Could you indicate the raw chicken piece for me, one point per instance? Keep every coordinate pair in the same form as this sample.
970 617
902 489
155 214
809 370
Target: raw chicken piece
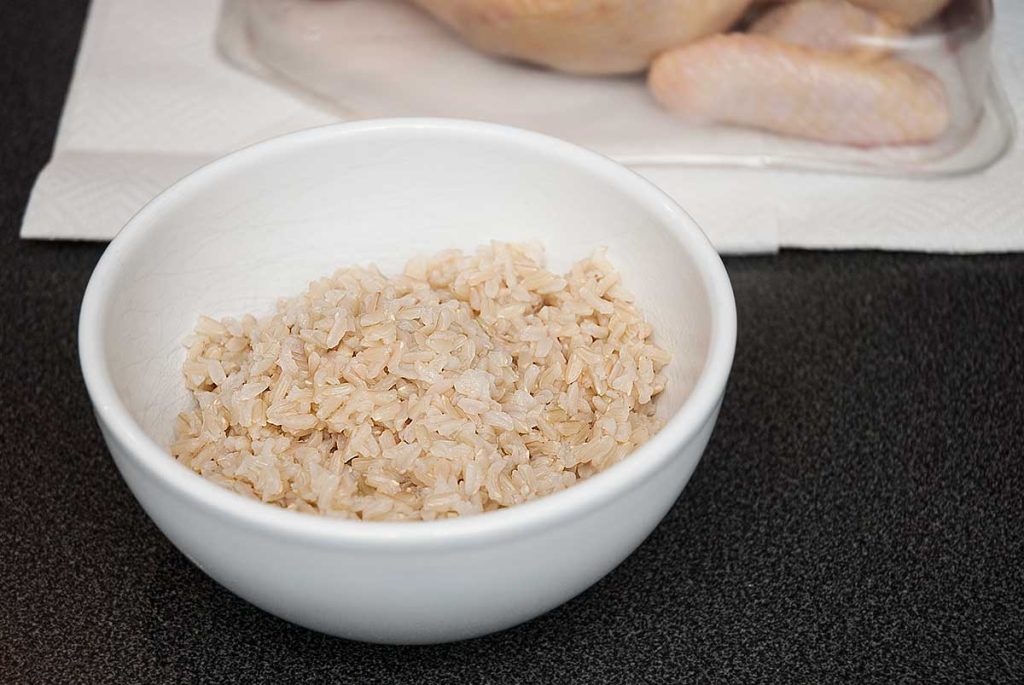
830 25
907 13
760 82
585 36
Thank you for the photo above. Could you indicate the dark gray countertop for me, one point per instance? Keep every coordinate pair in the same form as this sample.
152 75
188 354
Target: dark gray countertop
859 514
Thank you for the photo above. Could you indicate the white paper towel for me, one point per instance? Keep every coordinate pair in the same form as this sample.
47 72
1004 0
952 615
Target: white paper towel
151 100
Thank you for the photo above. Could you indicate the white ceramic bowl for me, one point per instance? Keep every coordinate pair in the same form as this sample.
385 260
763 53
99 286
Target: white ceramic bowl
261 223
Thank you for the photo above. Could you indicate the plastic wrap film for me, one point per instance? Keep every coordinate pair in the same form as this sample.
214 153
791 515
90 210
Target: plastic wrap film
902 87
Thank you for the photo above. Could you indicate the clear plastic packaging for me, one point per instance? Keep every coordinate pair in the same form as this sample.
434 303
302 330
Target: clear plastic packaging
382 58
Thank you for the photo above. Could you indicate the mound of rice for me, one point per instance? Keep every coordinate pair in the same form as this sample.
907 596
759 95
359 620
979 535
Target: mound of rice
467 384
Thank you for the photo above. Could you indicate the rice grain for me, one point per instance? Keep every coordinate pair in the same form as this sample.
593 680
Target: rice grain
467 384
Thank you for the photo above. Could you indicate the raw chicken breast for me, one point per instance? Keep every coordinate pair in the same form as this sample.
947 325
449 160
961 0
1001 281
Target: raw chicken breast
760 82
831 25
585 36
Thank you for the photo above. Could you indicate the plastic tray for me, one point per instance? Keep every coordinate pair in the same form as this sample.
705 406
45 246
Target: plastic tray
383 58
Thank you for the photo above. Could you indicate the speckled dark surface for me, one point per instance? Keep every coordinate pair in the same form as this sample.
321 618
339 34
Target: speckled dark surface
858 516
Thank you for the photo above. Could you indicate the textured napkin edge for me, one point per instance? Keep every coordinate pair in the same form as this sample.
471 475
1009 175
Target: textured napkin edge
84 195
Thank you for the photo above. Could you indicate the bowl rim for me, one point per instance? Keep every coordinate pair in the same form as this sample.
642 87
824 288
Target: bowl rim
681 428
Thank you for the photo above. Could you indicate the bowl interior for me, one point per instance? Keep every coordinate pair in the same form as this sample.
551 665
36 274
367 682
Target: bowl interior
259 225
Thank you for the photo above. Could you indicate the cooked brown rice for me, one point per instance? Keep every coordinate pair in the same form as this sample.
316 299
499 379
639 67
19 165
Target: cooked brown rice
467 384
